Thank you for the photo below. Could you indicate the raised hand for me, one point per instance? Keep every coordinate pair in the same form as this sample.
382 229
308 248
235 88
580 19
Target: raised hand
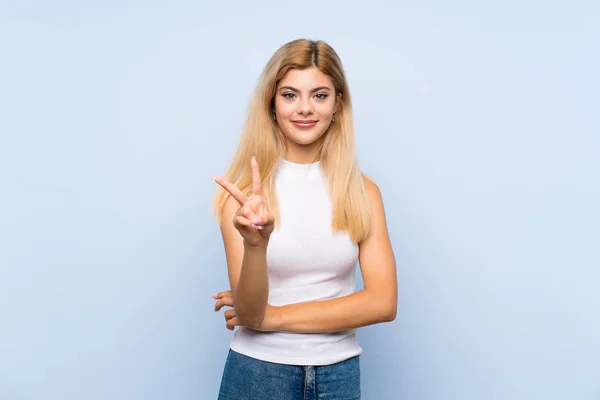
253 220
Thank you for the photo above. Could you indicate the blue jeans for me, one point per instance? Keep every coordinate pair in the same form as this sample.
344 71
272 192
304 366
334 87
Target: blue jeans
246 378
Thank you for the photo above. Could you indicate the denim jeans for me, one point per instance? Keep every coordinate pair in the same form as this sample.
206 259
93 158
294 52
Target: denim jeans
246 378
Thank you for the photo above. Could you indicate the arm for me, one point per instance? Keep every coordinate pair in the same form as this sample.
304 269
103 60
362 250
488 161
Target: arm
247 270
246 231
376 303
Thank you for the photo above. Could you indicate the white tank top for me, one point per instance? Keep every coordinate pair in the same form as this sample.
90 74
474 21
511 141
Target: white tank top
306 261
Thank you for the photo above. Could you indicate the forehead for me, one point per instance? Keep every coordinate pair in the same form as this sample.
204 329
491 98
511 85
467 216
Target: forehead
305 78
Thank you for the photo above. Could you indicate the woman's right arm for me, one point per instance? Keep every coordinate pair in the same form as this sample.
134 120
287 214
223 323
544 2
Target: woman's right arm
246 226
247 269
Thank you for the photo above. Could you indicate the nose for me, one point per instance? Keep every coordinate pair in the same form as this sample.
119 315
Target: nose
304 107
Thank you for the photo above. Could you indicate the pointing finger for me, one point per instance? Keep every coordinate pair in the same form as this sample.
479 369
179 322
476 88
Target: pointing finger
232 189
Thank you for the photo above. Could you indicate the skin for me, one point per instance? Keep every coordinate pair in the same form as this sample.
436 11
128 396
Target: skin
246 243
301 95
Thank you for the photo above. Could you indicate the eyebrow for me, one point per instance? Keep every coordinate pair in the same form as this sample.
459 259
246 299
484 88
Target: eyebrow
312 91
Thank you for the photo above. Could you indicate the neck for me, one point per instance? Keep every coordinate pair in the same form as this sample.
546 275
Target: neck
303 154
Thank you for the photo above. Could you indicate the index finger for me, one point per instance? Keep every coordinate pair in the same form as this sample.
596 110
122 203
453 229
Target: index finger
256 184
225 293
232 189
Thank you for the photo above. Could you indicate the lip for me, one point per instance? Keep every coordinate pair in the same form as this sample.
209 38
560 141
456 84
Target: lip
305 124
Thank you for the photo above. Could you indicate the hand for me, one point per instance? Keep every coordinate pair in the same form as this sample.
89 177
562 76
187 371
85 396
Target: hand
225 299
253 220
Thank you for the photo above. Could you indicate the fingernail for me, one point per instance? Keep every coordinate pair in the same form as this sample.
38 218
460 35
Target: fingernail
215 296
214 178
259 227
256 221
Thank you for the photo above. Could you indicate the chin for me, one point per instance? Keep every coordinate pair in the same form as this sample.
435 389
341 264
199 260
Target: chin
305 141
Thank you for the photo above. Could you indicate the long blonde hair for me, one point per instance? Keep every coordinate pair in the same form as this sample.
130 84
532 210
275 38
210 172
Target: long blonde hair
262 138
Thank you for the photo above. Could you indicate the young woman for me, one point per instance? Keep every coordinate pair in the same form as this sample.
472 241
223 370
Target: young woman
296 214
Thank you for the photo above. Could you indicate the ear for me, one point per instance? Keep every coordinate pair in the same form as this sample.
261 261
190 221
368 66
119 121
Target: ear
338 101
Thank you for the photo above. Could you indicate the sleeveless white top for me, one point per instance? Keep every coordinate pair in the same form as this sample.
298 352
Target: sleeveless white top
306 261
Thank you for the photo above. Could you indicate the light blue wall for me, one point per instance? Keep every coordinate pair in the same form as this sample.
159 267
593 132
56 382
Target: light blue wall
479 122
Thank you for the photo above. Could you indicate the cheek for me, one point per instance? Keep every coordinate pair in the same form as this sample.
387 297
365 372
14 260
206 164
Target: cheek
283 109
326 108
332 106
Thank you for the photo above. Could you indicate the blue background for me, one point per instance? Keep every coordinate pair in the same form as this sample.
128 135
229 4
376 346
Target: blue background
478 121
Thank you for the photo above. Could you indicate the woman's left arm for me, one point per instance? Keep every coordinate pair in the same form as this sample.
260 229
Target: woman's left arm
374 304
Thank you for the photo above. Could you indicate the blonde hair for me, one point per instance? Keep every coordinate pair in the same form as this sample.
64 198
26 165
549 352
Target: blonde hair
262 138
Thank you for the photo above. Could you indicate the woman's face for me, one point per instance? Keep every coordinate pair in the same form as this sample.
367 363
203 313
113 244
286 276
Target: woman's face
305 102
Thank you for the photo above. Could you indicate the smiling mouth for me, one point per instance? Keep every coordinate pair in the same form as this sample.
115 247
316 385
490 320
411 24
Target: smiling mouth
304 124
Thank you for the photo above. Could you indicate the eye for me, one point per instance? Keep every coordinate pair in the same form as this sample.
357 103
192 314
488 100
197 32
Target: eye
321 96
288 95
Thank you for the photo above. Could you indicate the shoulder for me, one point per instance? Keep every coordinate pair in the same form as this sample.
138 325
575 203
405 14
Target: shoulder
376 207
372 189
